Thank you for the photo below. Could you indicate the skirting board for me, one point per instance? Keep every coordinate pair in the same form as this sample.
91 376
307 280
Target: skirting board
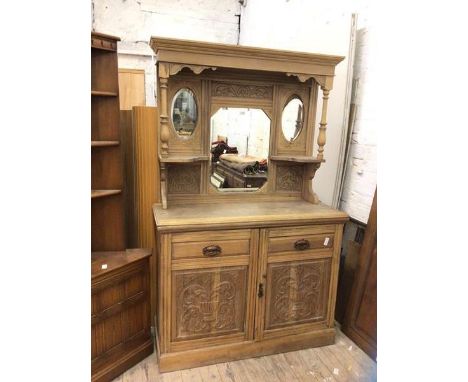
234 352
122 364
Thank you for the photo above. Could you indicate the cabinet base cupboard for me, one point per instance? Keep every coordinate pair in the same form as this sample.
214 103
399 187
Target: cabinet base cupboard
238 280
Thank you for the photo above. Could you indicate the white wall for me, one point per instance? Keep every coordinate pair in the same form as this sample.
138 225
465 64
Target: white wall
361 169
135 21
308 26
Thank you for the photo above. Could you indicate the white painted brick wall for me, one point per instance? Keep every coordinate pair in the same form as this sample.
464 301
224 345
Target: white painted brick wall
136 21
309 26
361 172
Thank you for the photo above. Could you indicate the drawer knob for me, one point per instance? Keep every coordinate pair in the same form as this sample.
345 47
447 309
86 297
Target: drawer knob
302 244
212 250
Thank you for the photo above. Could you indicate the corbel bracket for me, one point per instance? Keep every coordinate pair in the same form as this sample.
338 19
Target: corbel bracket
308 193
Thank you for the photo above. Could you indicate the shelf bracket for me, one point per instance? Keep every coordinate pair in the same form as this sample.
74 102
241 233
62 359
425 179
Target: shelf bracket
308 193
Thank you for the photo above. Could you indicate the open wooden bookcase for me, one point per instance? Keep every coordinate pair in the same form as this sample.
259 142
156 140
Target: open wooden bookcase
107 198
120 277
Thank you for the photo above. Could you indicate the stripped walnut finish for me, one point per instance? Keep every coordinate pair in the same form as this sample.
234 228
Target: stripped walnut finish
221 89
299 292
222 75
258 294
289 178
209 302
183 179
243 274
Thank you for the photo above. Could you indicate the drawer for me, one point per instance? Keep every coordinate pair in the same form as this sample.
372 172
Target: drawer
301 238
117 289
208 244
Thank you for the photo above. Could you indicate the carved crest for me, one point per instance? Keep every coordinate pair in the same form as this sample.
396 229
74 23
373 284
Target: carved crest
221 89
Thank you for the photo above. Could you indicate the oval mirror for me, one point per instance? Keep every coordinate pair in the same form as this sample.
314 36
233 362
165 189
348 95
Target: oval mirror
184 112
292 119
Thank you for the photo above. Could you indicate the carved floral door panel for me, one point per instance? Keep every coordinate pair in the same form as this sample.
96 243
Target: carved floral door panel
296 294
210 302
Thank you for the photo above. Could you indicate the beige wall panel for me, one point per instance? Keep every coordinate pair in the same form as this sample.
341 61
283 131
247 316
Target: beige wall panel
131 88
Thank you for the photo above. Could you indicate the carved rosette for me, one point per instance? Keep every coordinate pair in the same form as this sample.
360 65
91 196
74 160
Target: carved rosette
289 178
183 179
221 89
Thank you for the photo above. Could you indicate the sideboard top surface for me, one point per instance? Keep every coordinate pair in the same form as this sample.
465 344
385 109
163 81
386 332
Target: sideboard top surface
222 215
114 260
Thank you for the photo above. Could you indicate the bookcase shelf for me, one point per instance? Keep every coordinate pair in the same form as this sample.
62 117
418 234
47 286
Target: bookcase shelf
107 183
104 94
102 193
104 143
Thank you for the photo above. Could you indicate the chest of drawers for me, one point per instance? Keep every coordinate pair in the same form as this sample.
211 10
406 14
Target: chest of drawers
243 280
120 312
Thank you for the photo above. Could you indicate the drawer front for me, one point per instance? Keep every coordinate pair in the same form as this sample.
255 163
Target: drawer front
298 239
211 244
118 288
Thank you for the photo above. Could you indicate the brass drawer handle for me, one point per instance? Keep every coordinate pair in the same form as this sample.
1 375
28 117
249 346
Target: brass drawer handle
212 250
302 244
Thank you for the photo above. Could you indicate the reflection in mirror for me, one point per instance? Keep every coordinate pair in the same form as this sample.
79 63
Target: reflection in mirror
184 112
239 150
292 119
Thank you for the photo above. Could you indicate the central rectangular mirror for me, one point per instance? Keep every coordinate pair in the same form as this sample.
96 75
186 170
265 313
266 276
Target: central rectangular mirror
240 141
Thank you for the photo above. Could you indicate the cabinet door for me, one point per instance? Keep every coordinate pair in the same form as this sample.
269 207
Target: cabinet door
296 293
212 298
295 289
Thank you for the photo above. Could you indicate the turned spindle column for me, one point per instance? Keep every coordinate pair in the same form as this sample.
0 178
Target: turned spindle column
164 128
322 138
163 112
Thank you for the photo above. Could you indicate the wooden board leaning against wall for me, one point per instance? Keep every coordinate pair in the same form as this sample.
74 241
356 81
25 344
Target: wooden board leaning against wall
139 130
142 170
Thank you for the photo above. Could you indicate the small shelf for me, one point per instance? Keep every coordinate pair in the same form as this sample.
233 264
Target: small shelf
102 193
104 143
184 159
296 159
104 94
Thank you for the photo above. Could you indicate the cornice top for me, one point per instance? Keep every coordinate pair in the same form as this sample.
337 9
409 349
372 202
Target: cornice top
177 50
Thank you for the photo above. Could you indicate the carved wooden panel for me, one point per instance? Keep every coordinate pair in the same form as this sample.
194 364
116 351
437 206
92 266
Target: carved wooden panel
224 89
209 302
289 178
183 179
297 292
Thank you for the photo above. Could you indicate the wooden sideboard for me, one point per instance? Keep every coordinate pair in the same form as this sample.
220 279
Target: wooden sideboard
120 311
242 271
245 279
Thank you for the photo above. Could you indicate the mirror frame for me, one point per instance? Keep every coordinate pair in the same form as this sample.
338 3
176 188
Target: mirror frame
185 137
291 98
